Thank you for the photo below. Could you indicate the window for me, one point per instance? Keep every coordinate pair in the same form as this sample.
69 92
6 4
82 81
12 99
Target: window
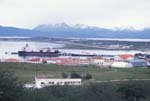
42 84
53 82
65 83
57 83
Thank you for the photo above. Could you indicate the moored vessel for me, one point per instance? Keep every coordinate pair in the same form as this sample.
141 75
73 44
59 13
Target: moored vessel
45 52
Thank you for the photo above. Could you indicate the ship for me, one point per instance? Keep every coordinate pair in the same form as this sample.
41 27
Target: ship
79 54
45 52
84 55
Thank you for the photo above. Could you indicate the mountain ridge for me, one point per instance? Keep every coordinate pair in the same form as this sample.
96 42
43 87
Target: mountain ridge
77 31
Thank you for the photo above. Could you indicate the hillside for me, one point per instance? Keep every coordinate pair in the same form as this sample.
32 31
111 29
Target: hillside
26 72
19 32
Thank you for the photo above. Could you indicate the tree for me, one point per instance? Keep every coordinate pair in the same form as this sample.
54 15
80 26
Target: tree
87 77
10 89
64 75
133 91
75 75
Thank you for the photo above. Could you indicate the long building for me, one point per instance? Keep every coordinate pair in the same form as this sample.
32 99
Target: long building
41 82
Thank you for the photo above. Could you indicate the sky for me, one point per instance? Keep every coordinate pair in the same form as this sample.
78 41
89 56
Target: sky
102 13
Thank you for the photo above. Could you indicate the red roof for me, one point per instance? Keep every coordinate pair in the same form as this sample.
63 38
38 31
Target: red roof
125 56
35 60
65 61
12 60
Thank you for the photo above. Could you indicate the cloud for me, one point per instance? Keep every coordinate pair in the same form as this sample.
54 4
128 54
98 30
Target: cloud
102 13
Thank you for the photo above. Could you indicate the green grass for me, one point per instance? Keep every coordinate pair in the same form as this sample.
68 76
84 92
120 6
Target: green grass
26 72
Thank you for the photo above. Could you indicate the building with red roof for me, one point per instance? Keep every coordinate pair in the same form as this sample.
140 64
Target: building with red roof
125 56
12 60
35 60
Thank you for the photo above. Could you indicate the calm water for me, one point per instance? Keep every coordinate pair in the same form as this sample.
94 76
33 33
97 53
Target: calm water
15 46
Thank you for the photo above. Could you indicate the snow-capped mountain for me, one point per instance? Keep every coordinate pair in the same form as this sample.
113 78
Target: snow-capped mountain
77 31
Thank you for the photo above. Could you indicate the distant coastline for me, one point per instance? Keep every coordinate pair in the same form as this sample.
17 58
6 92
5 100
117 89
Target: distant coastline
105 39
121 39
12 37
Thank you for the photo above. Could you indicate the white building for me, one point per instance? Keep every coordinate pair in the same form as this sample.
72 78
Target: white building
130 63
102 62
121 65
138 62
42 82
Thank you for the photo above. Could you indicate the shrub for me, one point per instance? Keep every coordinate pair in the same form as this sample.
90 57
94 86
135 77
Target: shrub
10 89
75 75
64 75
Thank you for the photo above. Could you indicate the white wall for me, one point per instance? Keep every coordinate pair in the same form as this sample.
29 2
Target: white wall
121 65
102 62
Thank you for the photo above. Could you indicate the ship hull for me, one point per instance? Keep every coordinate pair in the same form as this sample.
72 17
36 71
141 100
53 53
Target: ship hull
41 54
83 55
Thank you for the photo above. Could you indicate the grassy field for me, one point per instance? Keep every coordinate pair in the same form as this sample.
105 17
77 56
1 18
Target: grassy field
26 72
